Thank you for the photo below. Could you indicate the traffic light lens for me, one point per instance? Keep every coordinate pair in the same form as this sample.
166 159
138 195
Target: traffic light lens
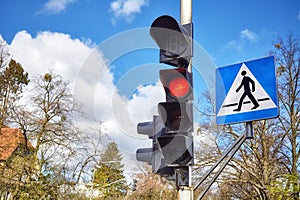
179 87
177 116
177 84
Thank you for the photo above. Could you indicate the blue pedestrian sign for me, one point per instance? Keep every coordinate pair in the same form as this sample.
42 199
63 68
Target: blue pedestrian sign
246 91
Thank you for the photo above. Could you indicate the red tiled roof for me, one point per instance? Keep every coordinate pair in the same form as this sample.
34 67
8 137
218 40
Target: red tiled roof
10 139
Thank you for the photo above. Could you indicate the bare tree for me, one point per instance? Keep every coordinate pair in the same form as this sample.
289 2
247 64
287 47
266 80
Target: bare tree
267 166
287 54
62 152
152 186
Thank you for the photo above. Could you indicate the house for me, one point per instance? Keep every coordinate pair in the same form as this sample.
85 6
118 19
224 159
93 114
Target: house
16 154
12 140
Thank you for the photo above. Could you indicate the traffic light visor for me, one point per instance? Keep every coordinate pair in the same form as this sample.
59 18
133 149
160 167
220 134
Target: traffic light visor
170 36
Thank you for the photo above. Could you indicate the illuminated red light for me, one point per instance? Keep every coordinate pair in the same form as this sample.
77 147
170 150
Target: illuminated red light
179 87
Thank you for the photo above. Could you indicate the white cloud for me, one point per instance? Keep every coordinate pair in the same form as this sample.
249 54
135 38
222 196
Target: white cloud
249 35
234 45
49 51
92 81
145 96
246 37
126 8
56 6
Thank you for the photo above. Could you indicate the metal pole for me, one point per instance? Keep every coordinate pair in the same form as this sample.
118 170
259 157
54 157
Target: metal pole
184 192
185 11
224 155
186 18
236 148
249 130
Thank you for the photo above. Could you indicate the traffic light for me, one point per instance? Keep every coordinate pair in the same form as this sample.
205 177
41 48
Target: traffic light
177 150
153 155
147 128
171 131
176 49
177 111
177 114
174 40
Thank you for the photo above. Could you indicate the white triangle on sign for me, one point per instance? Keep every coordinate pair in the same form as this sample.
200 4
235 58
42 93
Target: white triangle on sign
232 98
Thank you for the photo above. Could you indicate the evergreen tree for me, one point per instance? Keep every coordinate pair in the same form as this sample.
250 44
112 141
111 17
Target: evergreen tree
108 176
12 80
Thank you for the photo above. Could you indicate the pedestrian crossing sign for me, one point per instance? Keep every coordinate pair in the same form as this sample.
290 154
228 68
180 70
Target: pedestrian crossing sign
246 91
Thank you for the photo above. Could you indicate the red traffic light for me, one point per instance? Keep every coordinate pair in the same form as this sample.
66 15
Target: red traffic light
177 84
179 87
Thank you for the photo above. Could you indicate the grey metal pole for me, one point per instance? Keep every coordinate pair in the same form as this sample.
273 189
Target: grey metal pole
185 11
236 148
186 18
224 155
249 130
184 192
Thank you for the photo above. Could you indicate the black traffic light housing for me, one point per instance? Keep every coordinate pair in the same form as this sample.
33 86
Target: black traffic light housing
177 111
171 131
177 149
153 155
174 40
177 116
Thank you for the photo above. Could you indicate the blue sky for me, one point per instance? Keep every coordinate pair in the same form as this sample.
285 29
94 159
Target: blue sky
230 31
121 75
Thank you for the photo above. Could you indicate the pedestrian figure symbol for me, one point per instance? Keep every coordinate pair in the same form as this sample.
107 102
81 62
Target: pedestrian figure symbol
245 84
245 94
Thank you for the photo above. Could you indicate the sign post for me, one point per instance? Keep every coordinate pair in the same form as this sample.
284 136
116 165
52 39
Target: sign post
245 92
